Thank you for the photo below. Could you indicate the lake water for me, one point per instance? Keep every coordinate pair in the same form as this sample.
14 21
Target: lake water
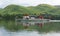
9 28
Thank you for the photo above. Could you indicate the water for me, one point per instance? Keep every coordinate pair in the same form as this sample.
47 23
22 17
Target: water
3 32
9 28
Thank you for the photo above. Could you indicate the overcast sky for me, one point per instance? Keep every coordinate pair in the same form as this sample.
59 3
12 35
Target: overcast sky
4 3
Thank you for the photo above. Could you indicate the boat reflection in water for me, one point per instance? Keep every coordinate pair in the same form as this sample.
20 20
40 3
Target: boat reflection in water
30 22
9 28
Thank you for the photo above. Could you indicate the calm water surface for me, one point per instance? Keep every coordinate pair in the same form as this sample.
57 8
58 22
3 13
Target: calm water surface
8 28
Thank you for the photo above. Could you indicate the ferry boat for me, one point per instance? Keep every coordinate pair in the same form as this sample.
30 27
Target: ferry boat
32 19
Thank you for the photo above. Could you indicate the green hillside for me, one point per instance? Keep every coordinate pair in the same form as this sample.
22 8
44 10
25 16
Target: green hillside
15 9
44 9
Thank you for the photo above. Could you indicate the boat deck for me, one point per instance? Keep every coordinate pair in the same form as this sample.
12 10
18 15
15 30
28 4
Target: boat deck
33 20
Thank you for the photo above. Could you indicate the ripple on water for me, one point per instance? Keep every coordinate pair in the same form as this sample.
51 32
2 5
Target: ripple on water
3 32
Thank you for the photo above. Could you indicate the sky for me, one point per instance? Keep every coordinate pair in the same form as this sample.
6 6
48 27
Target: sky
4 3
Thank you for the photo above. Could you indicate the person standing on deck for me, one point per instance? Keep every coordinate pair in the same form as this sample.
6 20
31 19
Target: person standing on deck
26 16
41 17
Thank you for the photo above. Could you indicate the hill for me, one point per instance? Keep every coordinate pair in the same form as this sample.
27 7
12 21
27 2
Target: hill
15 9
44 9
